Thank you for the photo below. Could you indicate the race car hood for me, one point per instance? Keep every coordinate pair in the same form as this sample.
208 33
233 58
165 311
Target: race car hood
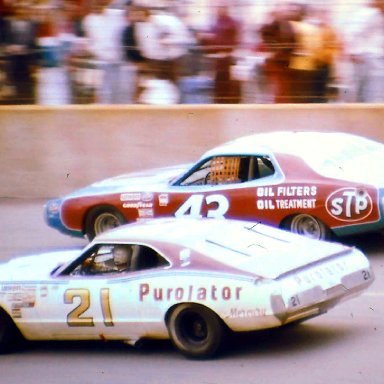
35 267
137 181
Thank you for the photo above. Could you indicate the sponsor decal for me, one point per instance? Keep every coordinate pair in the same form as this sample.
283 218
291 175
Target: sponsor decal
143 202
287 191
146 212
16 313
147 292
349 204
237 313
137 196
147 196
286 204
325 272
163 199
19 295
44 291
130 196
286 197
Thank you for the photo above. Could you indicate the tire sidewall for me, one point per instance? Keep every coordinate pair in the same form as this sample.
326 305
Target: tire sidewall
7 333
215 331
89 226
326 233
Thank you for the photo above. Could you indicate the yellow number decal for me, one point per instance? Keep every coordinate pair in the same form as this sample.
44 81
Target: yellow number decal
74 318
106 307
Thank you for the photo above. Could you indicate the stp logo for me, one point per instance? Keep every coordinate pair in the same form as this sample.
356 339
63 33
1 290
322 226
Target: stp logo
349 204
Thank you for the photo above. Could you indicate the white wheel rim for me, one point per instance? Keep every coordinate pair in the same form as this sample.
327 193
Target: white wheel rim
105 221
307 225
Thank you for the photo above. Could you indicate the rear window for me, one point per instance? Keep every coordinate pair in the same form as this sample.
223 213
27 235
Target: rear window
241 246
350 158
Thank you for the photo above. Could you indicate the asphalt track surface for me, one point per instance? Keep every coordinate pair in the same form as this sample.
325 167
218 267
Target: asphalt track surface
345 345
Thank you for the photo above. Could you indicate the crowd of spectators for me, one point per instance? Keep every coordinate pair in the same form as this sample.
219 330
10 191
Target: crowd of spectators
146 52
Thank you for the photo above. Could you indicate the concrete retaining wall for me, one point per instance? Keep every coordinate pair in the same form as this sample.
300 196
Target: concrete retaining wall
46 152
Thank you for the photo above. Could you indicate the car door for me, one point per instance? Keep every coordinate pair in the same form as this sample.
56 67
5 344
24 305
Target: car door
81 302
78 308
98 301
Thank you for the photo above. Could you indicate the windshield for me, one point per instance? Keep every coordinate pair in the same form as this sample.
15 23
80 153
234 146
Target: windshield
229 169
244 247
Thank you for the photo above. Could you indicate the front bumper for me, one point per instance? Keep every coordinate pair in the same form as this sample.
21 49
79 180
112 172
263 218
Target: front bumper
52 217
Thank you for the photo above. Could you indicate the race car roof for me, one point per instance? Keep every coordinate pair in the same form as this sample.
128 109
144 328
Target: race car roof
181 231
301 144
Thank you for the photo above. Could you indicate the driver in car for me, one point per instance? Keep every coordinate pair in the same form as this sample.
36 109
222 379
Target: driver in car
122 257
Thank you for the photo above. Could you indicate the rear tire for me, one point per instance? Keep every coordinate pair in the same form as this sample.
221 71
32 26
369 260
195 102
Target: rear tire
101 219
307 225
196 331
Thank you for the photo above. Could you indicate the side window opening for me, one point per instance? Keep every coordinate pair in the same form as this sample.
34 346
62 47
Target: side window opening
239 169
265 167
224 170
116 258
146 258
221 170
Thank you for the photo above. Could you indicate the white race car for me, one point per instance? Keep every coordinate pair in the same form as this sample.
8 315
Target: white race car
190 280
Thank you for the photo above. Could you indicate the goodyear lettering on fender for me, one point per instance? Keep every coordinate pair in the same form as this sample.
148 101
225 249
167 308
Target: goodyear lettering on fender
138 205
349 204
188 293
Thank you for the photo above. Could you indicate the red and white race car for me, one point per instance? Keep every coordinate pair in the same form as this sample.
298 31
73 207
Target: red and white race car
311 183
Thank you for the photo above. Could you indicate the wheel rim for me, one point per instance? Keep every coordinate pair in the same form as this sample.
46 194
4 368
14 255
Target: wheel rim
105 221
308 226
194 328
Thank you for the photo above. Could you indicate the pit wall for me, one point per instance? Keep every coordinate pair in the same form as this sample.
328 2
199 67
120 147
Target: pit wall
50 151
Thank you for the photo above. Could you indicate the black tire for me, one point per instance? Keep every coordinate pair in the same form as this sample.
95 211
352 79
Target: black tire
101 219
307 225
196 331
9 336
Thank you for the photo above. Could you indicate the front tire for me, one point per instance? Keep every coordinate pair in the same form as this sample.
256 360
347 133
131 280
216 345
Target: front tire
101 219
196 331
307 225
8 333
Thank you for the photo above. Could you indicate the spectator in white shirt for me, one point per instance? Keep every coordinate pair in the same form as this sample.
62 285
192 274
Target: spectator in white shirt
364 45
103 28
